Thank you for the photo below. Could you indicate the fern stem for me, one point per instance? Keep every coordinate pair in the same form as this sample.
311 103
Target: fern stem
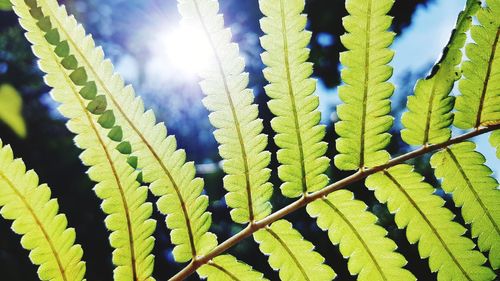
306 199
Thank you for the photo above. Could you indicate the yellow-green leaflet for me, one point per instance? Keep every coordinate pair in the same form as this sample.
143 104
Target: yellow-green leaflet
371 254
299 134
429 116
495 141
245 161
364 115
429 223
35 215
10 109
123 199
479 102
228 268
162 164
234 115
291 254
5 5
464 175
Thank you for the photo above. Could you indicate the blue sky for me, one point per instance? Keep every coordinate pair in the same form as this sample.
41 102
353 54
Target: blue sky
419 46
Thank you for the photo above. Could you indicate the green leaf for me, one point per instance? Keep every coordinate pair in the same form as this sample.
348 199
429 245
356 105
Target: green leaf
299 134
429 117
62 49
495 141
52 37
5 5
162 164
291 254
45 234
78 76
233 114
124 147
70 62
371 254
107 119
116 134
479 102
464 175
227 267
429 223
364 115
98 105
45 25
11 109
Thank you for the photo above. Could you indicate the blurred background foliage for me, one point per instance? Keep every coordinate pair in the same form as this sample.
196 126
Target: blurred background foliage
132 33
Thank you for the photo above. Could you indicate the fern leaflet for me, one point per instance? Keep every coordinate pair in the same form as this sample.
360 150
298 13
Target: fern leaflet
35 215
299 134
465 175
479 102
495 141
291 254
227 267
364 114
351 226
123 199
429 223
11 105
429 117
233 114
171 178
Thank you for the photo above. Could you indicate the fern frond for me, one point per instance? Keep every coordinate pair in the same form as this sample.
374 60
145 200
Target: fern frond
364 116
227 267
429 116
233 114
11 105
371 254
464 175
479 102
429 223
291 254
162 164
299 134
124 201
495 141
35 215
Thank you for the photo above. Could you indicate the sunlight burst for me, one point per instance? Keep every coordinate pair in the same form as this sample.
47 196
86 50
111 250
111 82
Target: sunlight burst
186 49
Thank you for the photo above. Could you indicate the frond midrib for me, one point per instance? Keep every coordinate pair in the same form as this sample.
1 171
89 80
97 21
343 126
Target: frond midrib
358 236
234 115
61 268
222 269
487 79
471 188
139 134
289 252
113 169
431 226
291 94
365 88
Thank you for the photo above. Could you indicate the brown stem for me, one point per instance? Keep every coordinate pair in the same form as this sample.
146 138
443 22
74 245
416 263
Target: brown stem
306 199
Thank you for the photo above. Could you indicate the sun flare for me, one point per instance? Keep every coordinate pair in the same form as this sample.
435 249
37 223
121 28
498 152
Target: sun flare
186 49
